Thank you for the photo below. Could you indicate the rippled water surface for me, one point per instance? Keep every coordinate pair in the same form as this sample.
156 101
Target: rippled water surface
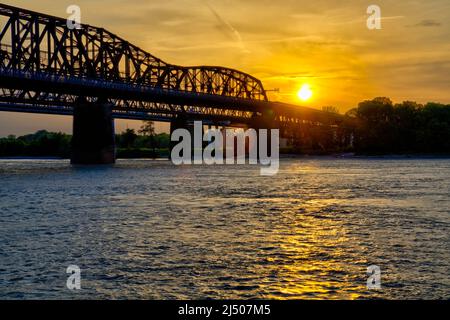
149 230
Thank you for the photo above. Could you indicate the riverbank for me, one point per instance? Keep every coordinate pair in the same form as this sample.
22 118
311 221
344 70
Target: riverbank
141 155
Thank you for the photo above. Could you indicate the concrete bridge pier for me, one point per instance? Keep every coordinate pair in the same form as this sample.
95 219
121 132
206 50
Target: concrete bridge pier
93 140
183 123
265 121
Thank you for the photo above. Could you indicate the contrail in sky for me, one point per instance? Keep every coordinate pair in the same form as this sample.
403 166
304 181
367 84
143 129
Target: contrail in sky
226 26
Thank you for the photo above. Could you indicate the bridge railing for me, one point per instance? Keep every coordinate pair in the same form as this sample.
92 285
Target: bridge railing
42 79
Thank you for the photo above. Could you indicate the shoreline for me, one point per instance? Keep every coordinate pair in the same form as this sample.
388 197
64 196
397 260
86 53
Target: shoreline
282 156
363 156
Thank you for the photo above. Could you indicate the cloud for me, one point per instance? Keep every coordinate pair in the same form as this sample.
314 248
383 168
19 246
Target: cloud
363 20
428 23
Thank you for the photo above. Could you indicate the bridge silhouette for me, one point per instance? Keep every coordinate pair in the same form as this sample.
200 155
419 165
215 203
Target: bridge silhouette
94 75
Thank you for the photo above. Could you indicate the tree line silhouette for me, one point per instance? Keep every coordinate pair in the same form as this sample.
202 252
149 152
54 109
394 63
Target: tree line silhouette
129 144
382 127
377 126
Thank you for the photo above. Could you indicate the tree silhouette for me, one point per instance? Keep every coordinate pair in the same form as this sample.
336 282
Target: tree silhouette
148 130
128 138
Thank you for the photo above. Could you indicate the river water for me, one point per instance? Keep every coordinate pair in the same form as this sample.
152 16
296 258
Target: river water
146 229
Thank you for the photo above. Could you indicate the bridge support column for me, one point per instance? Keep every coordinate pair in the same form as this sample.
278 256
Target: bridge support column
93 140
183 123
266 121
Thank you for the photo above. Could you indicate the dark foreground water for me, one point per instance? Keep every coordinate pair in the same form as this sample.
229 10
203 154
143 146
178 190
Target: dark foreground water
150 230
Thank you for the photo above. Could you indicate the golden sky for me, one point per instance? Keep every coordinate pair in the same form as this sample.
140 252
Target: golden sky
285 43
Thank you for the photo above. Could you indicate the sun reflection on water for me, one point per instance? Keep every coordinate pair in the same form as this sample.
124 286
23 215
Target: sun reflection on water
313 257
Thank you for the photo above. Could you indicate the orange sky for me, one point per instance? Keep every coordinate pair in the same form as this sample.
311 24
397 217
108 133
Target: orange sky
285 43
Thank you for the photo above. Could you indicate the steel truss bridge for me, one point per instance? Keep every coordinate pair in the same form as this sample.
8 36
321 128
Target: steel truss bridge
45 67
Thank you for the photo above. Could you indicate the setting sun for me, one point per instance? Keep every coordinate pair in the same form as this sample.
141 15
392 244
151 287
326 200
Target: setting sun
305 93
